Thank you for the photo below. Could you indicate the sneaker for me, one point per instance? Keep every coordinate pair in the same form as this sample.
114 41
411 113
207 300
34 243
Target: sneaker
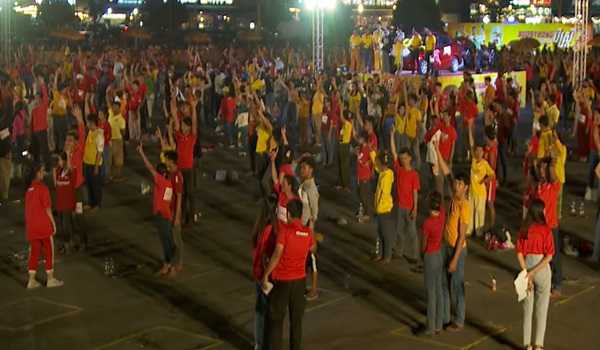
33 284
52 283
570 251
312 295
455 328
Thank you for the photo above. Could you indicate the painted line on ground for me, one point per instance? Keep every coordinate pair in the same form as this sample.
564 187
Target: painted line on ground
328 303
484 338
74 310
118 340
578 294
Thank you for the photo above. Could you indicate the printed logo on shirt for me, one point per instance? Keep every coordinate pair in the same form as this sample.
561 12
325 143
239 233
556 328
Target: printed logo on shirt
168 195
324 118
301 233
282 213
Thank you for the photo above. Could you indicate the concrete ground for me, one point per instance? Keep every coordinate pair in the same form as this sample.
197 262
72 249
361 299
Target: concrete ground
210 305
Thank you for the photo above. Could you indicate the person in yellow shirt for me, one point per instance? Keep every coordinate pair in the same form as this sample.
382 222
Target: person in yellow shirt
415 47
92 160
264 144
377 39
318 104
367 51
383 209
355 43
413 121
117 129
454 247
558 153
58 108
490 93
397 52
344 150
430 42
481 174
303 116
553 112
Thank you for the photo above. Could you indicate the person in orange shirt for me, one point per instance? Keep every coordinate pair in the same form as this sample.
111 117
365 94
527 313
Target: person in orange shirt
489 93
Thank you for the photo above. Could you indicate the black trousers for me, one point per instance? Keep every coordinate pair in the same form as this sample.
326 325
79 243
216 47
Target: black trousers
188 205
39 147
288 295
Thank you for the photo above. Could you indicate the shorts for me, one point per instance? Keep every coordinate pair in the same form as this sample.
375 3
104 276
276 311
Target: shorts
311 262
491 192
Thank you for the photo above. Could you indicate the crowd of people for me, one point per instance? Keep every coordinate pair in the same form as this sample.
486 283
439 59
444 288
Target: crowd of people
72 120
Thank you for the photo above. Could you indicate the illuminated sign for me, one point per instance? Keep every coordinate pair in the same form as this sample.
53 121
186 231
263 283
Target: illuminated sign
215 2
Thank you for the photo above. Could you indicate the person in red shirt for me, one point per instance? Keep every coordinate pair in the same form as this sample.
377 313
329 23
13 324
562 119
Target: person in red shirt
432 230
547 191
286 188
407 195
177 183
469 110
163 215
185 138
490 154
74 147
446 145
535 249
364 176
264 245
134 103
285 277
39 227
227 113
65 198
39 123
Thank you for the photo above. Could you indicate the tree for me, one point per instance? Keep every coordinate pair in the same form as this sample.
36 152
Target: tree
418 14
159 16
273 13
56 13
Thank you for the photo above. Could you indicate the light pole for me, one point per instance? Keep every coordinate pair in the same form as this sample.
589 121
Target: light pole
580 51
317 9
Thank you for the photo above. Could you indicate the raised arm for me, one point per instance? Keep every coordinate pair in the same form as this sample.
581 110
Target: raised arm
147 163
393 145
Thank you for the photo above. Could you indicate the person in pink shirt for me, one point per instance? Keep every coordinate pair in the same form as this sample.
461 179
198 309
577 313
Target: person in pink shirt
39 123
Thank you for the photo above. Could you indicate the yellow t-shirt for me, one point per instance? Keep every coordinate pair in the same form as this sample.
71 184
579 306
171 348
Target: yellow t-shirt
416 41
553 114
544 144
94 143
355 41
561 159
412 121
383 195
303 111
59 104
346 132
479 170
460 214
430 42
367 40
354 103
117 125
317 106
400 124
397 51
262 142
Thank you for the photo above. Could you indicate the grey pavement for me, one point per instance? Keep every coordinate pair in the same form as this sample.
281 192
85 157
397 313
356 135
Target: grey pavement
210 305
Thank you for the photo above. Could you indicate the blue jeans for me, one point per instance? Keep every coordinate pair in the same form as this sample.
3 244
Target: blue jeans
166 237
386 234
556 263
434 267
596 252
592 163
328 148
261 309
454 287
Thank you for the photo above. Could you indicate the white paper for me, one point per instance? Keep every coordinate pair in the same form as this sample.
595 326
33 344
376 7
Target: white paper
431 152
4 133
267 288
521 285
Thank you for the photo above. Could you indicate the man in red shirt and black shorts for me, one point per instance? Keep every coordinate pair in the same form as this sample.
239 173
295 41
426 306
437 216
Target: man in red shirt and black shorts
287 272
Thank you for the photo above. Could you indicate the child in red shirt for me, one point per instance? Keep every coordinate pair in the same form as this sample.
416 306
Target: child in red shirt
364 175
39 227
432 230
65 198
161 208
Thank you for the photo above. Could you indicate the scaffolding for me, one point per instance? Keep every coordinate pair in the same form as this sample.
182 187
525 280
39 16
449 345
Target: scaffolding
580 51
317 38
6 31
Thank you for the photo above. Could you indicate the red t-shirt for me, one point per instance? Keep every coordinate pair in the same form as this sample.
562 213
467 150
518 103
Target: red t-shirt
39 114
447 139
227 109
407 181
265 245
65 190
185 150
163 197
37 202
177 185
364 166
296 240
433 228
287 169
282 201
106 131
538 240
490 154
548 193
469 110
373 142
